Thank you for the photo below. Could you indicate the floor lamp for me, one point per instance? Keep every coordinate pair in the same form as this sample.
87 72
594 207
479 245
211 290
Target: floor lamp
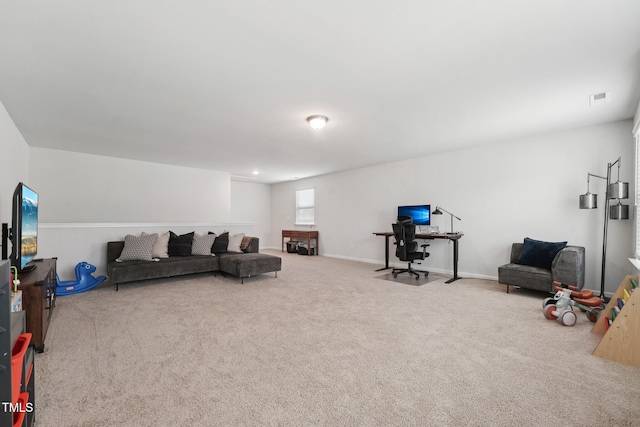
617 190
439 211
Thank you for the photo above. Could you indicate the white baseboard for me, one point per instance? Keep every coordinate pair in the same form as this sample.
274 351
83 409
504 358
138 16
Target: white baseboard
392 264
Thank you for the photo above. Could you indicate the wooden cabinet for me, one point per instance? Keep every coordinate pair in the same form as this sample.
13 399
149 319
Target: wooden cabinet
38 298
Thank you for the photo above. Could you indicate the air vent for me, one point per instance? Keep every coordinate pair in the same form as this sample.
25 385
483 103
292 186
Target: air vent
599 98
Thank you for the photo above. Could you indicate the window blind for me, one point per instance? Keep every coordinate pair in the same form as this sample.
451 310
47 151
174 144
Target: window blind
305 206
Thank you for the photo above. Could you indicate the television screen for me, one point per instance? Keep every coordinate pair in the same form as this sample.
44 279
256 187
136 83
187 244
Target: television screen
420 214
25 226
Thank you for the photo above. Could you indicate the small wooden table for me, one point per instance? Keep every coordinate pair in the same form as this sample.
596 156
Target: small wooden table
301 234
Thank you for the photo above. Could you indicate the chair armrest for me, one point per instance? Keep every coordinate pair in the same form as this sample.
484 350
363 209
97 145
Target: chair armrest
568 266
253 247
113 250
516 249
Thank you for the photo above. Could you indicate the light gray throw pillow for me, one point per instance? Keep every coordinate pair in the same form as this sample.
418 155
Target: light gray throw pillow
138 248
202 244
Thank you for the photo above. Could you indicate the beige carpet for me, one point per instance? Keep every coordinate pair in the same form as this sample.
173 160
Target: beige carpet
326 343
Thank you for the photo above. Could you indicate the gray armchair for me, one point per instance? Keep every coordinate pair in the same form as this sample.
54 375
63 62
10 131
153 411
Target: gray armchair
567 267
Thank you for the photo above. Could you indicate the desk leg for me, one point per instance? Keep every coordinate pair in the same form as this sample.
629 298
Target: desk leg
386 254
455 262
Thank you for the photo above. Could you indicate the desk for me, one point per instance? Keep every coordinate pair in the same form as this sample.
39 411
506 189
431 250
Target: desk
452 237
301 234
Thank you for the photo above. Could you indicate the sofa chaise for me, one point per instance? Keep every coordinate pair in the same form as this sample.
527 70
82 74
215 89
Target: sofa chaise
244 264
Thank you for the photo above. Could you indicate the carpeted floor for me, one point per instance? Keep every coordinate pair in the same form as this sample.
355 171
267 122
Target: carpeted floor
324 343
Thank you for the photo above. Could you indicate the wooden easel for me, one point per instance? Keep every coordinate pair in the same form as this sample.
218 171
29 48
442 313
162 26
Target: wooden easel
621 342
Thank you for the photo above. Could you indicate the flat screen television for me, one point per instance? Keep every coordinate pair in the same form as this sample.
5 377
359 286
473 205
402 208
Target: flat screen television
24 227
420 214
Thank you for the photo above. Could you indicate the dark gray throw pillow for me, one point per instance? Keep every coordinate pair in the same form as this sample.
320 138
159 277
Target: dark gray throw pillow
221 243
538 253
180 245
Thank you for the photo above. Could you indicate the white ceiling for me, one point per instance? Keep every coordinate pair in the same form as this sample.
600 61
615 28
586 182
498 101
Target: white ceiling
227 85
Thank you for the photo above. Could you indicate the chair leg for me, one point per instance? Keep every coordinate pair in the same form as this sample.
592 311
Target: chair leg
409 270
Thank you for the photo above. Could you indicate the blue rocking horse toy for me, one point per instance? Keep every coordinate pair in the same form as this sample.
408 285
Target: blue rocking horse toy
84 280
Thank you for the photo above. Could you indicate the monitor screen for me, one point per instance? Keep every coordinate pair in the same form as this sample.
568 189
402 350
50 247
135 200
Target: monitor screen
24 230
29 232
420 214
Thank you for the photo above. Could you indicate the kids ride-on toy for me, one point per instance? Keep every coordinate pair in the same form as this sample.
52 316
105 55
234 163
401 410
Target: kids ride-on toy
560 307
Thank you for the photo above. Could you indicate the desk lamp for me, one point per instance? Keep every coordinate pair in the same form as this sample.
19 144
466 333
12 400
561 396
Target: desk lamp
439 211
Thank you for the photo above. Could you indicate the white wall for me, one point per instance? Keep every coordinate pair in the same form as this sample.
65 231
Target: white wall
251 203
87 200
503 193
75 187
15 163
14 156
636 121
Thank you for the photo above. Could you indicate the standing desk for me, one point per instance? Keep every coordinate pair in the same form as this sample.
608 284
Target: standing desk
454 237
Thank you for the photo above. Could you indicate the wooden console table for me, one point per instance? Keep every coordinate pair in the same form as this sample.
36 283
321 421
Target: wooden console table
38 298
302 235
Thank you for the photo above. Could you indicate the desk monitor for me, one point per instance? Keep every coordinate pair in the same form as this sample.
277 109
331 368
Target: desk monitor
421 214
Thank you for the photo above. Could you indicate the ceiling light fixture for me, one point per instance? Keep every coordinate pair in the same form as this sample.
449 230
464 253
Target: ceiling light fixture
317 121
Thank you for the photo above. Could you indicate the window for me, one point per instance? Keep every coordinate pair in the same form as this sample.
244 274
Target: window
305 208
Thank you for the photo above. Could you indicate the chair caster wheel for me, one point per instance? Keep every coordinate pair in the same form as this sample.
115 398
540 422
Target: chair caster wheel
395 275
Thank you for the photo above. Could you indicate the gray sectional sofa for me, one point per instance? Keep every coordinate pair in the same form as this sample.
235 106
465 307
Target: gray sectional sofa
245 264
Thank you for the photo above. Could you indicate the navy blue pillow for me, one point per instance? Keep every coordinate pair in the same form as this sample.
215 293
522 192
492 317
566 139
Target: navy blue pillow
538 253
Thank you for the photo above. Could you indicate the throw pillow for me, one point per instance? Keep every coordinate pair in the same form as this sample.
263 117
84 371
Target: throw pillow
180 245
138 248
214 240
245 243
221 243
234 243
161 246
202 244
538 253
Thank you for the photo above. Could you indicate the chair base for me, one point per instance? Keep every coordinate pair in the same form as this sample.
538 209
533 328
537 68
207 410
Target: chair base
409 270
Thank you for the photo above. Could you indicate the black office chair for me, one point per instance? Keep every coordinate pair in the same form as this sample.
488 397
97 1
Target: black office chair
404 231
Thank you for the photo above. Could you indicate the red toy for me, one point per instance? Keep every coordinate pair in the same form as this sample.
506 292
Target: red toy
561 305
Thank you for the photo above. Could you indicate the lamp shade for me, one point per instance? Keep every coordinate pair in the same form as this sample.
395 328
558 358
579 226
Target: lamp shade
619 211
619 190
588 201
